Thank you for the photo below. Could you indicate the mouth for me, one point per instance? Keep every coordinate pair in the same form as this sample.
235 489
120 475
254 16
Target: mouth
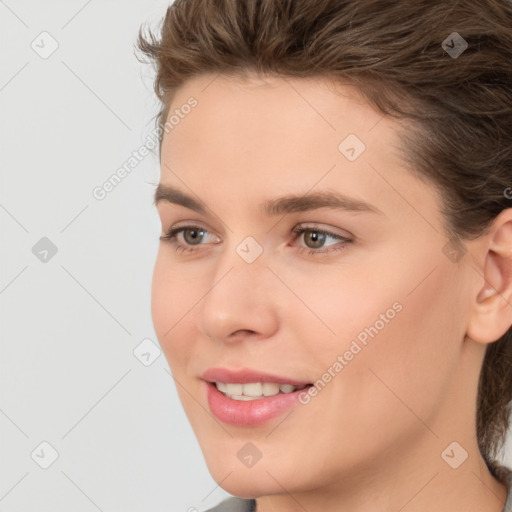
249 398
255 390
248 376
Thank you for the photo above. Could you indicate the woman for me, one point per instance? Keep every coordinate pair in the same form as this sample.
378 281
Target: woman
333 286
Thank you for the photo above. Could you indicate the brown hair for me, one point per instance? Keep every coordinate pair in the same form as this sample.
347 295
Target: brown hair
459 106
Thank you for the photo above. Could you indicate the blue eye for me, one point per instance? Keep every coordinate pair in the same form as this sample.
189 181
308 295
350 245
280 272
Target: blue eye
315 236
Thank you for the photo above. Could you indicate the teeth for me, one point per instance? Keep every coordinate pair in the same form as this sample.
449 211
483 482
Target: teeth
234 389
254 390
287 388
221 386
270 389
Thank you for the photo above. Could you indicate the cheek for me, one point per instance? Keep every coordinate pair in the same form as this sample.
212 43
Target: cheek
161 300
404 369
171 303
398 359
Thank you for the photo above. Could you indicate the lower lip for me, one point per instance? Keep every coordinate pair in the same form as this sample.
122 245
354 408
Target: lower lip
249 412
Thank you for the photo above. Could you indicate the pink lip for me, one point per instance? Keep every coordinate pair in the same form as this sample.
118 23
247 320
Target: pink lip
245 376
250 412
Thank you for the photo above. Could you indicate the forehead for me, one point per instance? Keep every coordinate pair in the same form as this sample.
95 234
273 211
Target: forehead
276 135
274 121
320 103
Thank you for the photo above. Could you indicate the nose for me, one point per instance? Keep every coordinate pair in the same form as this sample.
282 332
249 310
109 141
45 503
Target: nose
241 301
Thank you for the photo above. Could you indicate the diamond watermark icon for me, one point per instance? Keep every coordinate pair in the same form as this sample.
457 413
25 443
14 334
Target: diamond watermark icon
249 454
147 352
454 455
44 455
44 250
454 45
249 249
454 249
44 45
351 147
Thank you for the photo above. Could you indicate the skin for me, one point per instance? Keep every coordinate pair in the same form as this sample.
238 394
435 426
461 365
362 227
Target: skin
372 439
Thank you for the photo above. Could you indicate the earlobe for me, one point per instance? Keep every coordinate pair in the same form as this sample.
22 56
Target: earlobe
492 308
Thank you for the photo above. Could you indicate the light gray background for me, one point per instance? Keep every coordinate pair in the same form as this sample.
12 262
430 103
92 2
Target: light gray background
70 325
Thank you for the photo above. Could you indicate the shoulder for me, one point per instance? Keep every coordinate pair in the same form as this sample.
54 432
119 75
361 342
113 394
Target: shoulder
234 504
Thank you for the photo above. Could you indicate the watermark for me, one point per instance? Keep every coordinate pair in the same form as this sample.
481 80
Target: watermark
44 455
249 454
351 147
44 45
454 455
44 250
249 249
454 249
343 360
508 193
101 191
147 352
454 45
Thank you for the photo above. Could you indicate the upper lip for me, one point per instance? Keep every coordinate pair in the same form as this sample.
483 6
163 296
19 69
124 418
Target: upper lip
245 376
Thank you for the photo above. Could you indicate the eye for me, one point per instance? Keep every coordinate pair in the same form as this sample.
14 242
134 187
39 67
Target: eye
192 235
315 239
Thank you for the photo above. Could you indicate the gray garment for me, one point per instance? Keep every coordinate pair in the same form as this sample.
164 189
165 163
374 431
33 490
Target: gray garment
243 505
235 505
508 504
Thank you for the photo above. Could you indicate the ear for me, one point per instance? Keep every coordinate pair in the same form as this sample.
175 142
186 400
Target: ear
492 306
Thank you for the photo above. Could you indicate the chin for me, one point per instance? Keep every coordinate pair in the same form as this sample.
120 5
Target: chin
262 479
248 485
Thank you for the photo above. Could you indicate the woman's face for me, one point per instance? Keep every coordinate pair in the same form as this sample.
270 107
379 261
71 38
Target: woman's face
377 315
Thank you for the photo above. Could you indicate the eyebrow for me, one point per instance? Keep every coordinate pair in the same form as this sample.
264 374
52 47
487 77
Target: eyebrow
276 206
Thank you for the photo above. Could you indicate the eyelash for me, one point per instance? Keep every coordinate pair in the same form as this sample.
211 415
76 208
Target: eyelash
171 237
